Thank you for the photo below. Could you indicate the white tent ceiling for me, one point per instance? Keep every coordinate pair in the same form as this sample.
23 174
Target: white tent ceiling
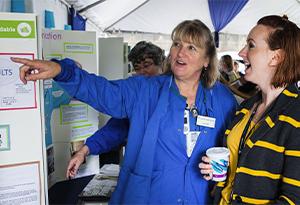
161 16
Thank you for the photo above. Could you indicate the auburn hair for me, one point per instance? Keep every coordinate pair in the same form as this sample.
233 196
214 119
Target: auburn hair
286 36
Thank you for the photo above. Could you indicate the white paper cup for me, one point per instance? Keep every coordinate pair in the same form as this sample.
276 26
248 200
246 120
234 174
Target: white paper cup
219 157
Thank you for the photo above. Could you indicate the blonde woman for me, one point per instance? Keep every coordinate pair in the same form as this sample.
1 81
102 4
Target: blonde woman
174 118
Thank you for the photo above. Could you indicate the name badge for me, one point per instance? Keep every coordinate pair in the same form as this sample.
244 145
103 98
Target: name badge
191 139
186 125
206 121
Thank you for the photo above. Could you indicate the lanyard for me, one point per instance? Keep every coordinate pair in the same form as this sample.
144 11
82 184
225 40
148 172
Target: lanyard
242 142
194 110
243 137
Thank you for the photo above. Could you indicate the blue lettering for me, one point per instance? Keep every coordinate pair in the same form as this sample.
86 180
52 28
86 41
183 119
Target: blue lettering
6 72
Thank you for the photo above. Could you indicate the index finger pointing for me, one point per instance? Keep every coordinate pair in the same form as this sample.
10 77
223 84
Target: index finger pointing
33 64
19 60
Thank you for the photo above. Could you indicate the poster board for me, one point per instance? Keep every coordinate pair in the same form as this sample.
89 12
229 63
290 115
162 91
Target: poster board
111 64
68 122
21 143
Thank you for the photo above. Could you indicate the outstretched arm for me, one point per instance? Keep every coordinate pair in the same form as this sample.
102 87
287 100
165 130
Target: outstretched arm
46 69
109 136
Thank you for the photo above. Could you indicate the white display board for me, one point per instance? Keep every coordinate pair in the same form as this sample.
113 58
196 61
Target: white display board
68 121
111 64
22 178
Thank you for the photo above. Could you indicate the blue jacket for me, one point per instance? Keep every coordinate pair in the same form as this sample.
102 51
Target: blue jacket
156 168
109 136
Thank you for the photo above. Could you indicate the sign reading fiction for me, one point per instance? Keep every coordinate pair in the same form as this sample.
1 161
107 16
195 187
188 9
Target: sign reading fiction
52 35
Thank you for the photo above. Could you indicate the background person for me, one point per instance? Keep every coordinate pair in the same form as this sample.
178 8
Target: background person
160 165
226 68
236 69
147 59
239 96
264 137
248 88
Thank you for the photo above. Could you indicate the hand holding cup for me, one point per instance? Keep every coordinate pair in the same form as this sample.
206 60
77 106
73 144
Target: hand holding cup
206 168
219 160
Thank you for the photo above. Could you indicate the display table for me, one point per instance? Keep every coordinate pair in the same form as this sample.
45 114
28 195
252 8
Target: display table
66 192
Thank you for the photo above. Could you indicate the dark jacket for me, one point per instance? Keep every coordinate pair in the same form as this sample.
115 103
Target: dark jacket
268 170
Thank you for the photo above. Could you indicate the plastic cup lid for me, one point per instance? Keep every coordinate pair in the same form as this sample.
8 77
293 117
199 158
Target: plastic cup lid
217 151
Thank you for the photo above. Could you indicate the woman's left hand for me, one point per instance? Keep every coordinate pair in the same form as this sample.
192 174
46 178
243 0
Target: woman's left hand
206 168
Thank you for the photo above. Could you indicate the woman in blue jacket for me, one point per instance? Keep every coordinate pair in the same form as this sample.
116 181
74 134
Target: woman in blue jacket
174 118
147 59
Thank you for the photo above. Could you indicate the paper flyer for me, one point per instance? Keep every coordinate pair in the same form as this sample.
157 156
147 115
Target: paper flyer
14 94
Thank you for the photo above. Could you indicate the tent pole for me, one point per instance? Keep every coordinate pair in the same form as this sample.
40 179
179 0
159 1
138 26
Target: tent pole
127 15
91 6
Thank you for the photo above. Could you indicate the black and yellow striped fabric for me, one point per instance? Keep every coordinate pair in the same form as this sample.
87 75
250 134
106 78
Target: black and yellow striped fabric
268 170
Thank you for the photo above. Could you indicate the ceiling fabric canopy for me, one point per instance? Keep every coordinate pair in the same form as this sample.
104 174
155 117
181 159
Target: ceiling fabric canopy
222 12
161 16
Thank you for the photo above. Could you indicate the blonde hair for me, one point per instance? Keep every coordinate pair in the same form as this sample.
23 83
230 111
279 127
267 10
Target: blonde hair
197 33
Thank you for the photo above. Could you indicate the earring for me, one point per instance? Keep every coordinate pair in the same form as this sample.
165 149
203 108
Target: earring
205 68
